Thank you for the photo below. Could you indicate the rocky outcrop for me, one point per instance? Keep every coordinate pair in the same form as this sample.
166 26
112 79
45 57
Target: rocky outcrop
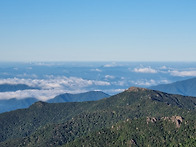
151 119
175 119
135 89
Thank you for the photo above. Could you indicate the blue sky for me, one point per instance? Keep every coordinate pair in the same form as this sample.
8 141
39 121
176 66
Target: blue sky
97 30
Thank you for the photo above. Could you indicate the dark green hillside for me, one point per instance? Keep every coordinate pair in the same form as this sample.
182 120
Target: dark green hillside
185 87
141 96
45 124
23 122
81 97
14 87
141 132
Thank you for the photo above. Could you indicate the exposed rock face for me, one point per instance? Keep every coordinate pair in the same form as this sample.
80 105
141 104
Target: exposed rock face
177 120
151 119
38 104
131 143
135 89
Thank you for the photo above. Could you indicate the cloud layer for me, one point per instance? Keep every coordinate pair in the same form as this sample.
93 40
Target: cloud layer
55 82
183 73
150 82
145 70
50 87
107 78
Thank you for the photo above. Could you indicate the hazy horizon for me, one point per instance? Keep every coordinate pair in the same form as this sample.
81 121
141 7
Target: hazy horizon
54 78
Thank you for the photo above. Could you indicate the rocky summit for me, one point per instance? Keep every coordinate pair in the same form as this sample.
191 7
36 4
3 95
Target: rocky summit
135 89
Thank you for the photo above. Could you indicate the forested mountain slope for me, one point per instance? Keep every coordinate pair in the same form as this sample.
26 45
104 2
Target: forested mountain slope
68 124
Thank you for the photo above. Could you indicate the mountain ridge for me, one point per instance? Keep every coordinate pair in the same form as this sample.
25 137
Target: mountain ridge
60 123
13 104
80 97
15 87
184 87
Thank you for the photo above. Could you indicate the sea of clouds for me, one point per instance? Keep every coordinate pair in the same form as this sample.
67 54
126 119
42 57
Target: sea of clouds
109 81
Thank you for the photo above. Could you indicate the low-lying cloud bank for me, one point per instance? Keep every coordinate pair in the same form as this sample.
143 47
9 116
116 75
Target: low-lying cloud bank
42 95
186 73
52 86
151 82
55 82
49 87
183 73
145 70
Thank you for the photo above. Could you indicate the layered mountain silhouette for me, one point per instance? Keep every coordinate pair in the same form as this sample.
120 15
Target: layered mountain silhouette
135 117
14 87
81 97
185 87
13 104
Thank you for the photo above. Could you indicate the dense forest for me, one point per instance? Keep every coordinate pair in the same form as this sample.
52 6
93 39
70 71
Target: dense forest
135 117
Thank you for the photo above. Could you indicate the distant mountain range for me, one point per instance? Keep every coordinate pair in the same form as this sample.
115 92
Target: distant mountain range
135 117
81 97
185 87
14 87
13 104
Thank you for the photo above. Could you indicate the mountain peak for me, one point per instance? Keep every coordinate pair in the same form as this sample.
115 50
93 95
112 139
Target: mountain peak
39 104
135 89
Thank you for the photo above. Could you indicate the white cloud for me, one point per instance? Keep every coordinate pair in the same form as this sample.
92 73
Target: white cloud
109 77
114 91
113 64
50 87
29 68
119 83
39 94
55 82
164 82
163 67
15 68
44 63
5 73
101 83
98 70
27 75
145 82
145 70
150 82
183 73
